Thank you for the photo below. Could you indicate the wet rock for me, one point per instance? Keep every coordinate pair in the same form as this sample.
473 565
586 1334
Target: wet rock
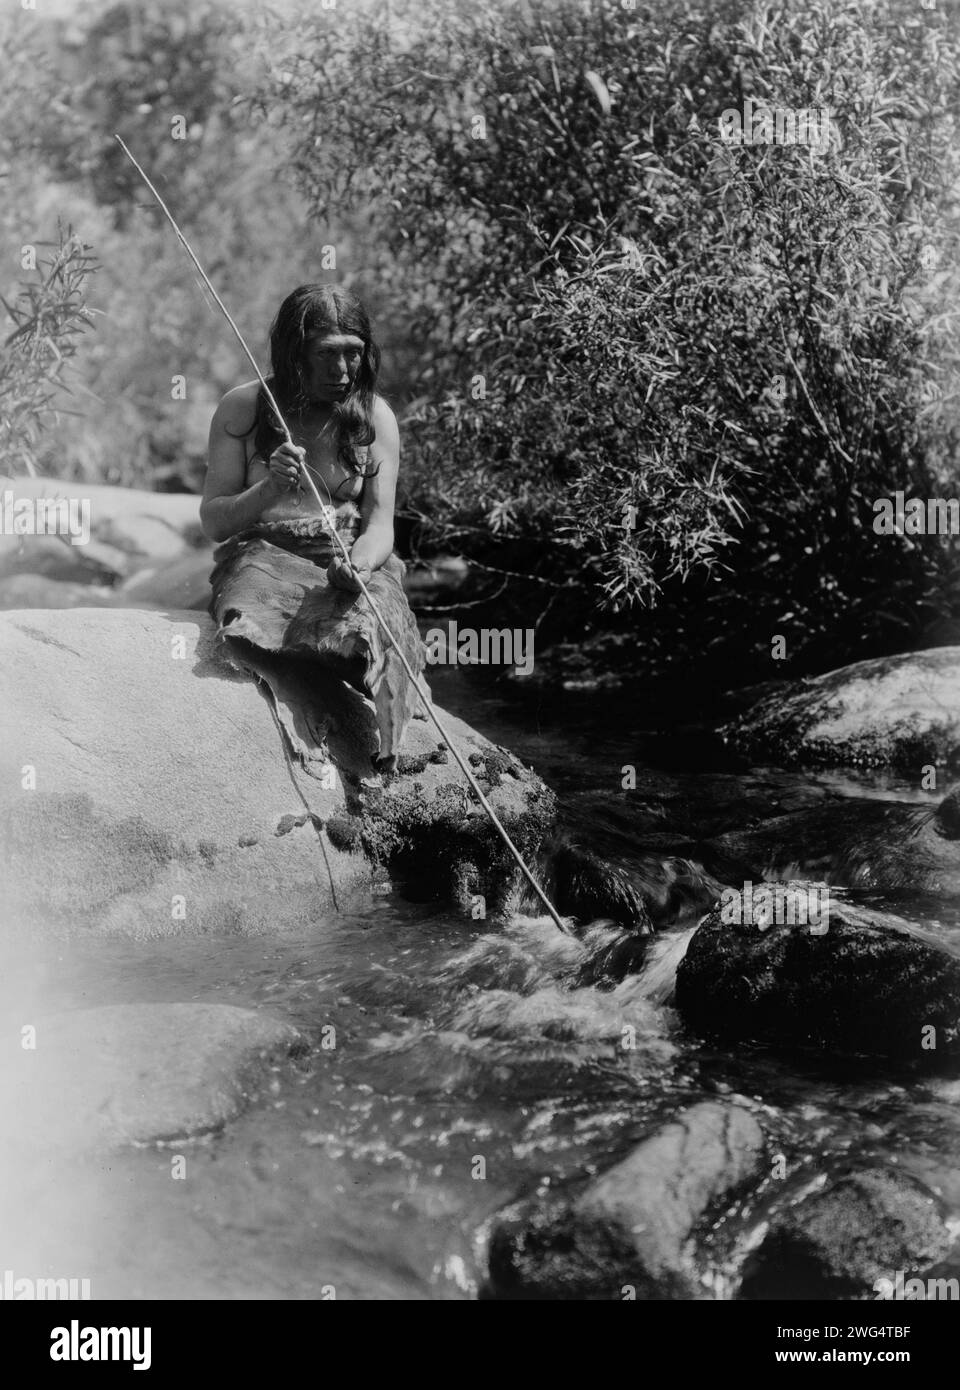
840 1243
148 778
898 711
587 887
614 955
850 981
642 882
431 832
628 1233
858 843
139 1073
674 888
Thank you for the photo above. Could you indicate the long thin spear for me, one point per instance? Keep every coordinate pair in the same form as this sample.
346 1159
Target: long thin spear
464 768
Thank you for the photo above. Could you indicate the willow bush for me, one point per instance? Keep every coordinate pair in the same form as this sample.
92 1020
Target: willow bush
682 367
44 306
168 80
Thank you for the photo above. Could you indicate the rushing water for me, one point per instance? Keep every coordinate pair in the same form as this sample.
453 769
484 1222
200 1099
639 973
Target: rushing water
466 1069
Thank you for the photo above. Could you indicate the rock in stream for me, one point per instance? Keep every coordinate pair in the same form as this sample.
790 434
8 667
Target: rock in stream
627 1234
848 981
895 711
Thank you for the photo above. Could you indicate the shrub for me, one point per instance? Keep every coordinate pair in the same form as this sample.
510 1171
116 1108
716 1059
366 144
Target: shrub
47 315
745 345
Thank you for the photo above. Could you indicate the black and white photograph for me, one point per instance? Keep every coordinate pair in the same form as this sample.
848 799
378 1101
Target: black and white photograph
480 664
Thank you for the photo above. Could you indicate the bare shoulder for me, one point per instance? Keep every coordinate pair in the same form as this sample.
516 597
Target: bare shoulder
237 408
384 420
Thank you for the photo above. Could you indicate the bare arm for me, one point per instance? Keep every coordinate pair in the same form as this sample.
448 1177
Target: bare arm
227 507
374 545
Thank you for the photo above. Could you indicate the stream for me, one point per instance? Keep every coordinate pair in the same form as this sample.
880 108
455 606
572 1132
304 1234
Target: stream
465 1071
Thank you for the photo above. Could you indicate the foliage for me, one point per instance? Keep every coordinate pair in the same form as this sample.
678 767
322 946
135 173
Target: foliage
47 312
97 73
47 315
664 376
747 345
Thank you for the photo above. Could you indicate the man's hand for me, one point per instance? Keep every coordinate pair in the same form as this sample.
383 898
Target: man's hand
284 468
344 576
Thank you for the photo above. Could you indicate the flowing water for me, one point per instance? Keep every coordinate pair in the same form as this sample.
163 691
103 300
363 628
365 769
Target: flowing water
466 1067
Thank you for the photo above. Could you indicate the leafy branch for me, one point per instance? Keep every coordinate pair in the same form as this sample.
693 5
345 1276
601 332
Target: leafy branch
48 315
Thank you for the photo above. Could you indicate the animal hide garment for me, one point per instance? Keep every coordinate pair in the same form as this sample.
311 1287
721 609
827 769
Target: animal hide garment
282 619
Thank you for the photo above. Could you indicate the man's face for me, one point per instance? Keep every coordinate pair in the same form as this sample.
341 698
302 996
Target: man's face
331 362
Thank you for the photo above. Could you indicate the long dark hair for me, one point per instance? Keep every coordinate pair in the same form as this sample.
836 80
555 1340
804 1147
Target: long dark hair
319 309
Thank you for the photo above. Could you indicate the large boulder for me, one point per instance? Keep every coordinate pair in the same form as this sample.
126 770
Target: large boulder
849 1241
145 789
138 1073
129 530
627 1234
890 846
131 521
896 711
792 966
